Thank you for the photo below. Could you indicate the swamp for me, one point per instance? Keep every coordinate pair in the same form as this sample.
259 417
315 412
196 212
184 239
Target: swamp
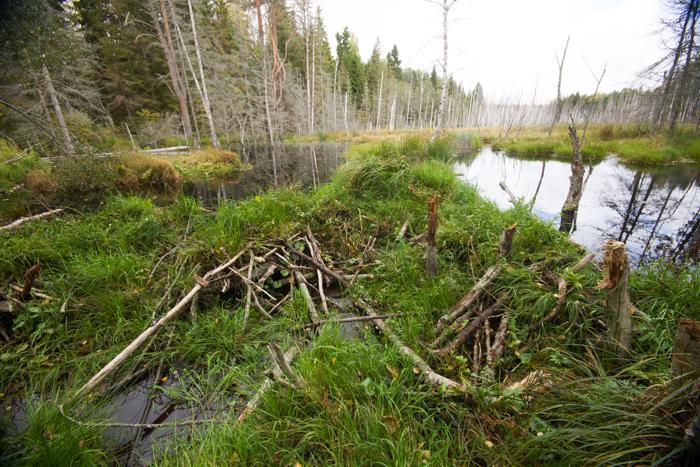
226 239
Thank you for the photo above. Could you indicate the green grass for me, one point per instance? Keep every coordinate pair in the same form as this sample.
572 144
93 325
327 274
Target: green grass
363 403
631 143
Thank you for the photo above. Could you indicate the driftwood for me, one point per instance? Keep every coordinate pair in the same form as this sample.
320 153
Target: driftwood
618 305
470 298
431 262
474 325
430 375
136 343
22 220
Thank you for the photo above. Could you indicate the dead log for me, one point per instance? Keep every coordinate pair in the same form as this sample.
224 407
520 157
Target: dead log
430 375
431 263
22 220
475 324
172 313
470 298
618 305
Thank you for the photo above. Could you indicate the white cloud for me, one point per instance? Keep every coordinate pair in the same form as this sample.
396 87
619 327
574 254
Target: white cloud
509 45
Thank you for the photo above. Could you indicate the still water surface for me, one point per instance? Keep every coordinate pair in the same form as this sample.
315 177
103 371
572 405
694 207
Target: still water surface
655 210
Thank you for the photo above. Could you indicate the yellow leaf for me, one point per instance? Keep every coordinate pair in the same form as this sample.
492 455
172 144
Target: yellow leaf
488 444
333 360
416 370
392 371
164 379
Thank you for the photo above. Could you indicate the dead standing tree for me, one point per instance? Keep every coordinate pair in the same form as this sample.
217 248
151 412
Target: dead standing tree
445 5
573 198
559 103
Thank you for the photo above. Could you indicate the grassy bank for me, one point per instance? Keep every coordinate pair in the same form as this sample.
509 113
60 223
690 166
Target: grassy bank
91 180
632 143
108 272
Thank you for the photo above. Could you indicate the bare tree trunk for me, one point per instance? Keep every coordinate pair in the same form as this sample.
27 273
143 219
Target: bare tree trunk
420 105
345 115
166 43
671 74
683 85
557 111
379 102
446 5
573 198
67 143
205 94
263 51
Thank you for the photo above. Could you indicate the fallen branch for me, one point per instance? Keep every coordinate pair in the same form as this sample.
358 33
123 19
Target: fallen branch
267 385
136 343
402 231
464 334
313 314
22 220
499 341
430 375
249 290
350 320
284 366
468 300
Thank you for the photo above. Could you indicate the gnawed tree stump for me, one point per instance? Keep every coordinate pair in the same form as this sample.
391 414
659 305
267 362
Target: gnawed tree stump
431 263
619 308
686 349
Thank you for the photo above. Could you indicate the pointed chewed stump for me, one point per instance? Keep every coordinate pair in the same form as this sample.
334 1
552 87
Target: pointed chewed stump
686 349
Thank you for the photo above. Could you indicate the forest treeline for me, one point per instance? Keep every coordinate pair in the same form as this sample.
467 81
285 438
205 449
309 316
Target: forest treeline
99 73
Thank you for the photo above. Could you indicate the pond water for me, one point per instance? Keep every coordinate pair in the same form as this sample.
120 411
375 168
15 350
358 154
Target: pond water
303 165
655 210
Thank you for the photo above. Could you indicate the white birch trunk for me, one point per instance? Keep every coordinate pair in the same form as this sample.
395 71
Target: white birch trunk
205 94
67 142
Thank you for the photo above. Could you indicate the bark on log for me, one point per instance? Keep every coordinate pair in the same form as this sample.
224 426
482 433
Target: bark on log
22 220
618 304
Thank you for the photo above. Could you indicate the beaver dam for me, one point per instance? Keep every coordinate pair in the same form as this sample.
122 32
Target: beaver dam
390 315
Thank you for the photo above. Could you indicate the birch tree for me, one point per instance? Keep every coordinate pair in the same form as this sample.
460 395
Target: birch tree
445 5
205 94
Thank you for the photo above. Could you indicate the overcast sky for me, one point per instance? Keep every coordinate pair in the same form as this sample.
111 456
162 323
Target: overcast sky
509 45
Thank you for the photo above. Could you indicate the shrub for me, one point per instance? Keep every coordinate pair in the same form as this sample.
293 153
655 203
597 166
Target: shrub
91 179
